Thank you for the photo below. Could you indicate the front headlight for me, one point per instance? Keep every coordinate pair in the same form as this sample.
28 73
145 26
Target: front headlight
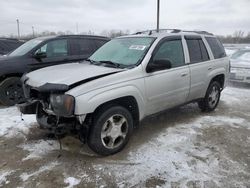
62 105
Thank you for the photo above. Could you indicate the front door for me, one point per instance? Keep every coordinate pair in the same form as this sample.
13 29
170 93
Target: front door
170 87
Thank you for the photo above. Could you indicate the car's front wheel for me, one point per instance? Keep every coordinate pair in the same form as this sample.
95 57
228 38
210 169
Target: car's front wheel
111 130
11 91
212 98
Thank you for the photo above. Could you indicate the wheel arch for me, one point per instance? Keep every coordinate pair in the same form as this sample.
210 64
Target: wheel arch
128 102
220 78
3 77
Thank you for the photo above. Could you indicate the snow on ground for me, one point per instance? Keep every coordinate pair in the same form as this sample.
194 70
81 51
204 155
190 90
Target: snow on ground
25 176
230 51
3 176
11 123
174 155
40 148
71 181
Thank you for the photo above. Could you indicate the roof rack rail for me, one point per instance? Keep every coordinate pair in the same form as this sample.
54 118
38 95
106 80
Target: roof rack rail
150 32
199 32
81 35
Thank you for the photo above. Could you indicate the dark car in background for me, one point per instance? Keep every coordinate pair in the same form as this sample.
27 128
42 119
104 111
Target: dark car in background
38 53
7 45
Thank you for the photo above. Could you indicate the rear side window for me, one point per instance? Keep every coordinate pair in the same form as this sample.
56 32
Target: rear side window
197 50
83 46
216 47
99 43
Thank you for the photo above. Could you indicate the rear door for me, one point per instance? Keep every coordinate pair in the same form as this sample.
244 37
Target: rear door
81 48
200 66
170 87
57 52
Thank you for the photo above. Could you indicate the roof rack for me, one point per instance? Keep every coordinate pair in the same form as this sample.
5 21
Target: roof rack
150 32
81 35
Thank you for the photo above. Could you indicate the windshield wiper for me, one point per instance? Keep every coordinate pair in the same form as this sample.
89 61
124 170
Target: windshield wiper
110 63
91 61
113 64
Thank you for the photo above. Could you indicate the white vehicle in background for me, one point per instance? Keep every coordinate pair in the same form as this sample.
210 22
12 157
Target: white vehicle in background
240 66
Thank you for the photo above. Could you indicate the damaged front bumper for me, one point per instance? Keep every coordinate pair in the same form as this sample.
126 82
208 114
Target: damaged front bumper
29 107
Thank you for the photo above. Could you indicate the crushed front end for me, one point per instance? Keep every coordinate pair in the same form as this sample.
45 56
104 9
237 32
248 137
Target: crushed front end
53 108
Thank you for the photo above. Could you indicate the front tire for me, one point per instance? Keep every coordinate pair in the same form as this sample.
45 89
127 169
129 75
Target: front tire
212 98
11 91
111 130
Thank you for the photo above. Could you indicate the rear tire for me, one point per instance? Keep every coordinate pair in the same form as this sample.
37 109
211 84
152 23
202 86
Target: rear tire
111 130
11 91
212 97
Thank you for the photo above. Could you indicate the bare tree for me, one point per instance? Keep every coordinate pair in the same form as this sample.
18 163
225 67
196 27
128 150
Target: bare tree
238 35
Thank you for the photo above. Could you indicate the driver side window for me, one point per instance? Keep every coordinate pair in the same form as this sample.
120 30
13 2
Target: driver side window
55 48
172 51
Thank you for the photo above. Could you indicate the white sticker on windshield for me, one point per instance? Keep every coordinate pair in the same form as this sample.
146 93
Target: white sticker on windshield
137 47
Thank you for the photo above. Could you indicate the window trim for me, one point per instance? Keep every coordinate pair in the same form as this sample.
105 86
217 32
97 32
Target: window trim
163 40
208 37
197 37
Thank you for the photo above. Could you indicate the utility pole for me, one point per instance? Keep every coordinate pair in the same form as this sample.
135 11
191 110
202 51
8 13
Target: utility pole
76 27
18 29
158 15
33 31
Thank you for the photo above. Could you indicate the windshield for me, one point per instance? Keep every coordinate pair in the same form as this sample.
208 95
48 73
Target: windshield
26 47
123 51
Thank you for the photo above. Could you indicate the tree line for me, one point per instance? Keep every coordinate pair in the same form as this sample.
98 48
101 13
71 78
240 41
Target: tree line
237 37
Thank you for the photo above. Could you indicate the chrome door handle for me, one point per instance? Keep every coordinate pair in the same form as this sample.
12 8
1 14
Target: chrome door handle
184 74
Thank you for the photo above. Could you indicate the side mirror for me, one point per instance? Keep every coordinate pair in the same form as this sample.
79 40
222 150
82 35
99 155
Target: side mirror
159 64
40 55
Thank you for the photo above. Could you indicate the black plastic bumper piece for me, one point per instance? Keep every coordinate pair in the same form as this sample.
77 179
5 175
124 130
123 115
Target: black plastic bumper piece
28 107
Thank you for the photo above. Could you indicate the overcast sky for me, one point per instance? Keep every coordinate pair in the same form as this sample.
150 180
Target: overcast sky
217 16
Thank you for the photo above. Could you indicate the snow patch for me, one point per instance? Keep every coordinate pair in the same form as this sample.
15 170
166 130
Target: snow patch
71 181
25 176
233 96
40 148
3 175
11 123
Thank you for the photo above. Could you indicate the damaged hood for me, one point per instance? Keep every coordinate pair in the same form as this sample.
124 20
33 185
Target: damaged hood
68 74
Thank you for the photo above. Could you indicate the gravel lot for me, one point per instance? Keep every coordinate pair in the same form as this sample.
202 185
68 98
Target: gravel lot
178 148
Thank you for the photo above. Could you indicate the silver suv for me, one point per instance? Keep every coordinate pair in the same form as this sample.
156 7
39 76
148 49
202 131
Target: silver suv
103 98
